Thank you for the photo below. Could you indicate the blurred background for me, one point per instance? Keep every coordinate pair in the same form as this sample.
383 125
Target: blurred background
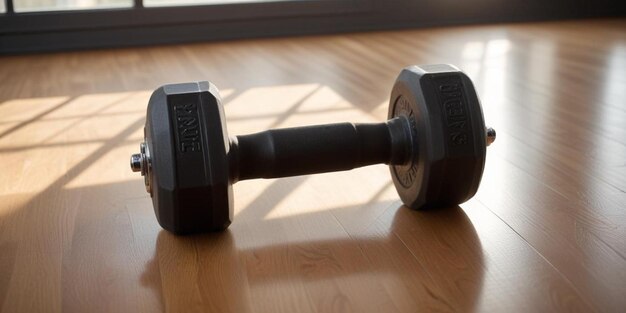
44 25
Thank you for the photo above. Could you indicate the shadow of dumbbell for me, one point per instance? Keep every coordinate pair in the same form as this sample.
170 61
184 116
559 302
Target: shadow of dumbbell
434 255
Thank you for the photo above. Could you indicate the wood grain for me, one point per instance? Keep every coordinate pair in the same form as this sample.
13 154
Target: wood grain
546 231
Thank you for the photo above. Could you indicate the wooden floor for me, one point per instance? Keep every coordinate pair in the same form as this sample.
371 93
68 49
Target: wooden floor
546 231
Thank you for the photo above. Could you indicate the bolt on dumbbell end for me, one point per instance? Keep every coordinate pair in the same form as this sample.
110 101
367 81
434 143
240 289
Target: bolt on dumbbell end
140 162
491 135
135 162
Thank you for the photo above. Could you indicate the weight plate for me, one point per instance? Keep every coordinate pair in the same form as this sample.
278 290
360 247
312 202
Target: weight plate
448 129
186 136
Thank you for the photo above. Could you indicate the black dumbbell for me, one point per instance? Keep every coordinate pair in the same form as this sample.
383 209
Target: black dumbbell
434 143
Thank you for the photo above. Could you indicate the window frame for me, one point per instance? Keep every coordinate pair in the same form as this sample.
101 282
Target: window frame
71 29
139 25
139 15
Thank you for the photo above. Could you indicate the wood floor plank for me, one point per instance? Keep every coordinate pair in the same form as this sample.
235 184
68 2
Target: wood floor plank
545 233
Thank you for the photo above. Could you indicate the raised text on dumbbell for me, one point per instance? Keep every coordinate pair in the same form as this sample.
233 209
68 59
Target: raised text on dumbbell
451 95
187 127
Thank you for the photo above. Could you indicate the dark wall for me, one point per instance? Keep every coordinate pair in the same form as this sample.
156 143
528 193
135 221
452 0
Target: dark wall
34 32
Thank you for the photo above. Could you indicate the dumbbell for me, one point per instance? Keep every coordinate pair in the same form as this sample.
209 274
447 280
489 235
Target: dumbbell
434 142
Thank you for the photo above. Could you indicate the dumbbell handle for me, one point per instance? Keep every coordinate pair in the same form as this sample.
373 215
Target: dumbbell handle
319 149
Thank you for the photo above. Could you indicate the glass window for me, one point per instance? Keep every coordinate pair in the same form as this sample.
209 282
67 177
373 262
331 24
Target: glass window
163 3
55 5
3 8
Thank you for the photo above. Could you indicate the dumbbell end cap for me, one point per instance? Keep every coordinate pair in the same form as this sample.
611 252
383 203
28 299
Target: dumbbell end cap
491 135
135 162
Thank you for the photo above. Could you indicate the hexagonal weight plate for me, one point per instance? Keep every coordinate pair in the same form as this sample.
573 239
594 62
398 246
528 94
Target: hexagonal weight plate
186 135
447 122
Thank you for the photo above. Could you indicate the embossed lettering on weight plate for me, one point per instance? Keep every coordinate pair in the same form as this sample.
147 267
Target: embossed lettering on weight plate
406 173
451 95
187 127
